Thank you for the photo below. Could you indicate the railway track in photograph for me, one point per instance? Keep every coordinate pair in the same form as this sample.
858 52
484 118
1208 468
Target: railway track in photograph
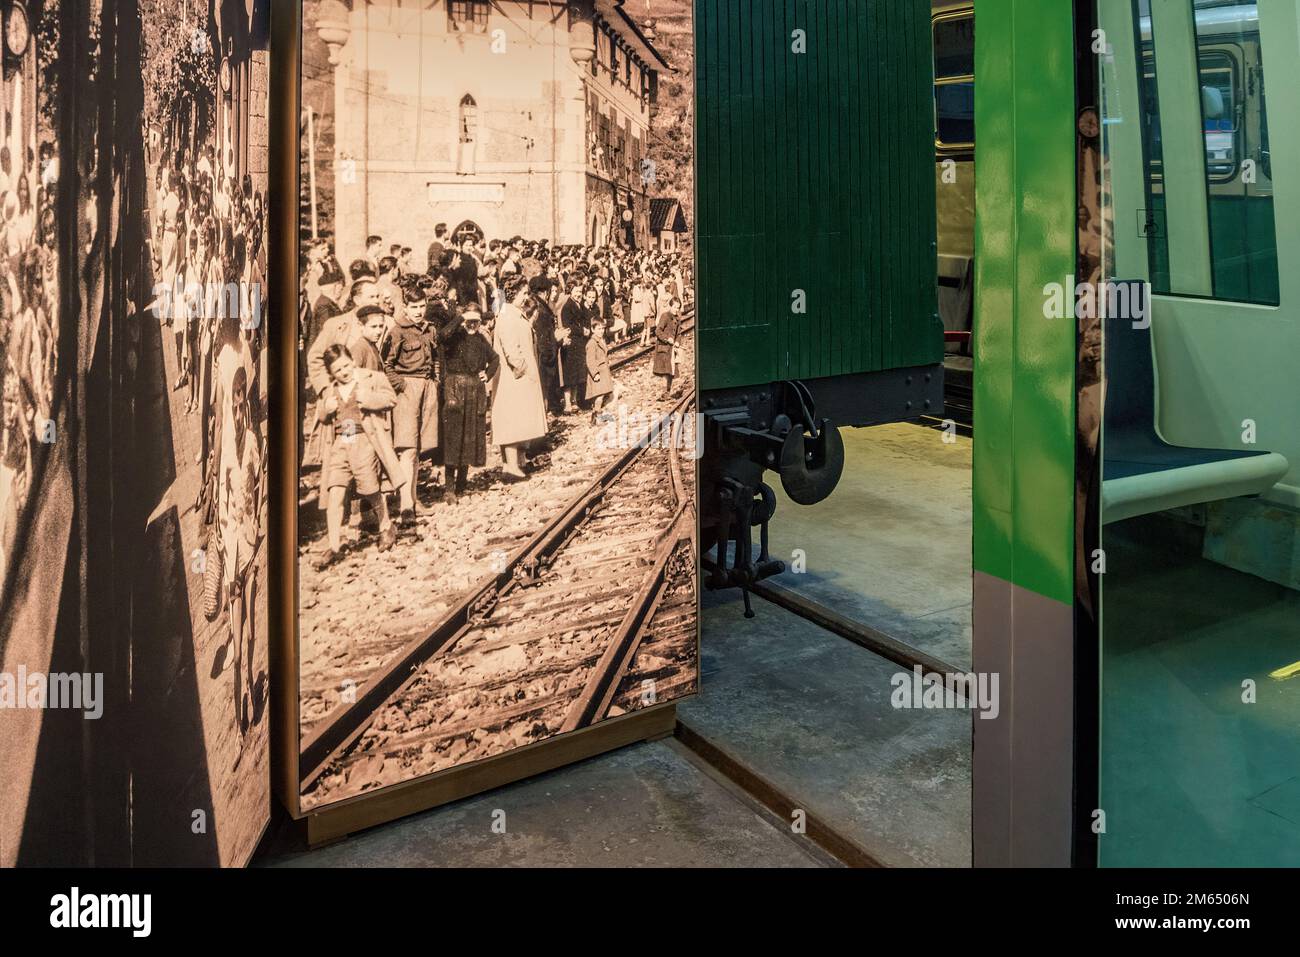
590 618
355 620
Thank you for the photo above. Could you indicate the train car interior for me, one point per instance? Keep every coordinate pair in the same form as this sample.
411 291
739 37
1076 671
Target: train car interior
1201 435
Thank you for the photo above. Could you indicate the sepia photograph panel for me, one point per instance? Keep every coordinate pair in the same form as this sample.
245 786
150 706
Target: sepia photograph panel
133 629
496 524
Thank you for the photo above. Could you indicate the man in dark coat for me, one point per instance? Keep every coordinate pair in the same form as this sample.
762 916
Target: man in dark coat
326 306
462 273
438 246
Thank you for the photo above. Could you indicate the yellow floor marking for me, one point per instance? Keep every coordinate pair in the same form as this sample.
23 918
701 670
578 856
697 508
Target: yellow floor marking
1290 671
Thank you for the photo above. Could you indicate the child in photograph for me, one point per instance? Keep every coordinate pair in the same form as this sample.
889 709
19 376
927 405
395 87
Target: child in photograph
639 310
349 412
600 381
364 346
241 521
365 338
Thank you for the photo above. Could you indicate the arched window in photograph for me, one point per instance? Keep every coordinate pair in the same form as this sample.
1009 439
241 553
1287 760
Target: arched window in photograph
468 119
466 230
468 126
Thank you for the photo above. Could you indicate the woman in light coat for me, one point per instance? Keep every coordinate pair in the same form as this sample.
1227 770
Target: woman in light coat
640 311
518 409
169 206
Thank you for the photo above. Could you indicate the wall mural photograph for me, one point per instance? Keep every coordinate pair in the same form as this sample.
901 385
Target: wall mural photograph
496 524
133 626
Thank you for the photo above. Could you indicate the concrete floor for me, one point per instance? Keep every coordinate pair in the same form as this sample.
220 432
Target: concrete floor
892 546
648 805
810 712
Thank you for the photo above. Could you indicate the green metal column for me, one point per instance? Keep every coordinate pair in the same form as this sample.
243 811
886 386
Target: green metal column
1024 445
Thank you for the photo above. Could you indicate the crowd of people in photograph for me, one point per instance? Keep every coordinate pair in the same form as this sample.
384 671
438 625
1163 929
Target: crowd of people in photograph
483 344
28 316
209 260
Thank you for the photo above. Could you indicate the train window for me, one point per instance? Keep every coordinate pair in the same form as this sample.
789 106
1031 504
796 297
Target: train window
954 114
1218 94
1153 228
1233 121
954 80
1243 238
954 46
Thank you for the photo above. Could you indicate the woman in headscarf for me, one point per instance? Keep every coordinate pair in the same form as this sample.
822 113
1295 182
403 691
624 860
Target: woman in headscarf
518 410
468 363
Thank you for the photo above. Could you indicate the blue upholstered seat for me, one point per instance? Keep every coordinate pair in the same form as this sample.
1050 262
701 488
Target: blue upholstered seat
1141 472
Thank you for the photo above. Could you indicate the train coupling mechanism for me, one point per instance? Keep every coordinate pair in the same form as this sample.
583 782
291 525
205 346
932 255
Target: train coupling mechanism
741 509
748 433
810 466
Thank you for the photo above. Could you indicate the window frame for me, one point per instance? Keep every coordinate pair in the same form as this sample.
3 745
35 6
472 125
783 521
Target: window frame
468 16
1153 172
966 12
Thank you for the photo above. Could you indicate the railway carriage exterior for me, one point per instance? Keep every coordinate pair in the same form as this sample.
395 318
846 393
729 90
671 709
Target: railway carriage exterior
816 246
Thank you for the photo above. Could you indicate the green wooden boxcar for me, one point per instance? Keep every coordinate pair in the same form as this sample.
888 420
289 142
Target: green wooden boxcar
815 239
815 157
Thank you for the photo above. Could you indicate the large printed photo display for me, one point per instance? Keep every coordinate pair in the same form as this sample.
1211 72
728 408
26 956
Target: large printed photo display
496 475
133 626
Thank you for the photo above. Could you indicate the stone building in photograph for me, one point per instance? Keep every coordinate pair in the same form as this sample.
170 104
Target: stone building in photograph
494 117
243 81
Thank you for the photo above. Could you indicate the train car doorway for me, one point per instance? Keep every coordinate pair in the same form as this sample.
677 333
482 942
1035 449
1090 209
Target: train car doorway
836 363
954 148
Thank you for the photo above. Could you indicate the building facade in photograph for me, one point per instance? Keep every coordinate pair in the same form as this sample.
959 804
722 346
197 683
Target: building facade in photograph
508 118
243 77
667 223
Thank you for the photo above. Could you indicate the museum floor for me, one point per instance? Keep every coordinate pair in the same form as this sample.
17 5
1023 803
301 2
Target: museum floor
804 710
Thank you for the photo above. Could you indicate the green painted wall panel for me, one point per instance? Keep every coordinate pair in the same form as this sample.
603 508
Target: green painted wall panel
1025 239
816 172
